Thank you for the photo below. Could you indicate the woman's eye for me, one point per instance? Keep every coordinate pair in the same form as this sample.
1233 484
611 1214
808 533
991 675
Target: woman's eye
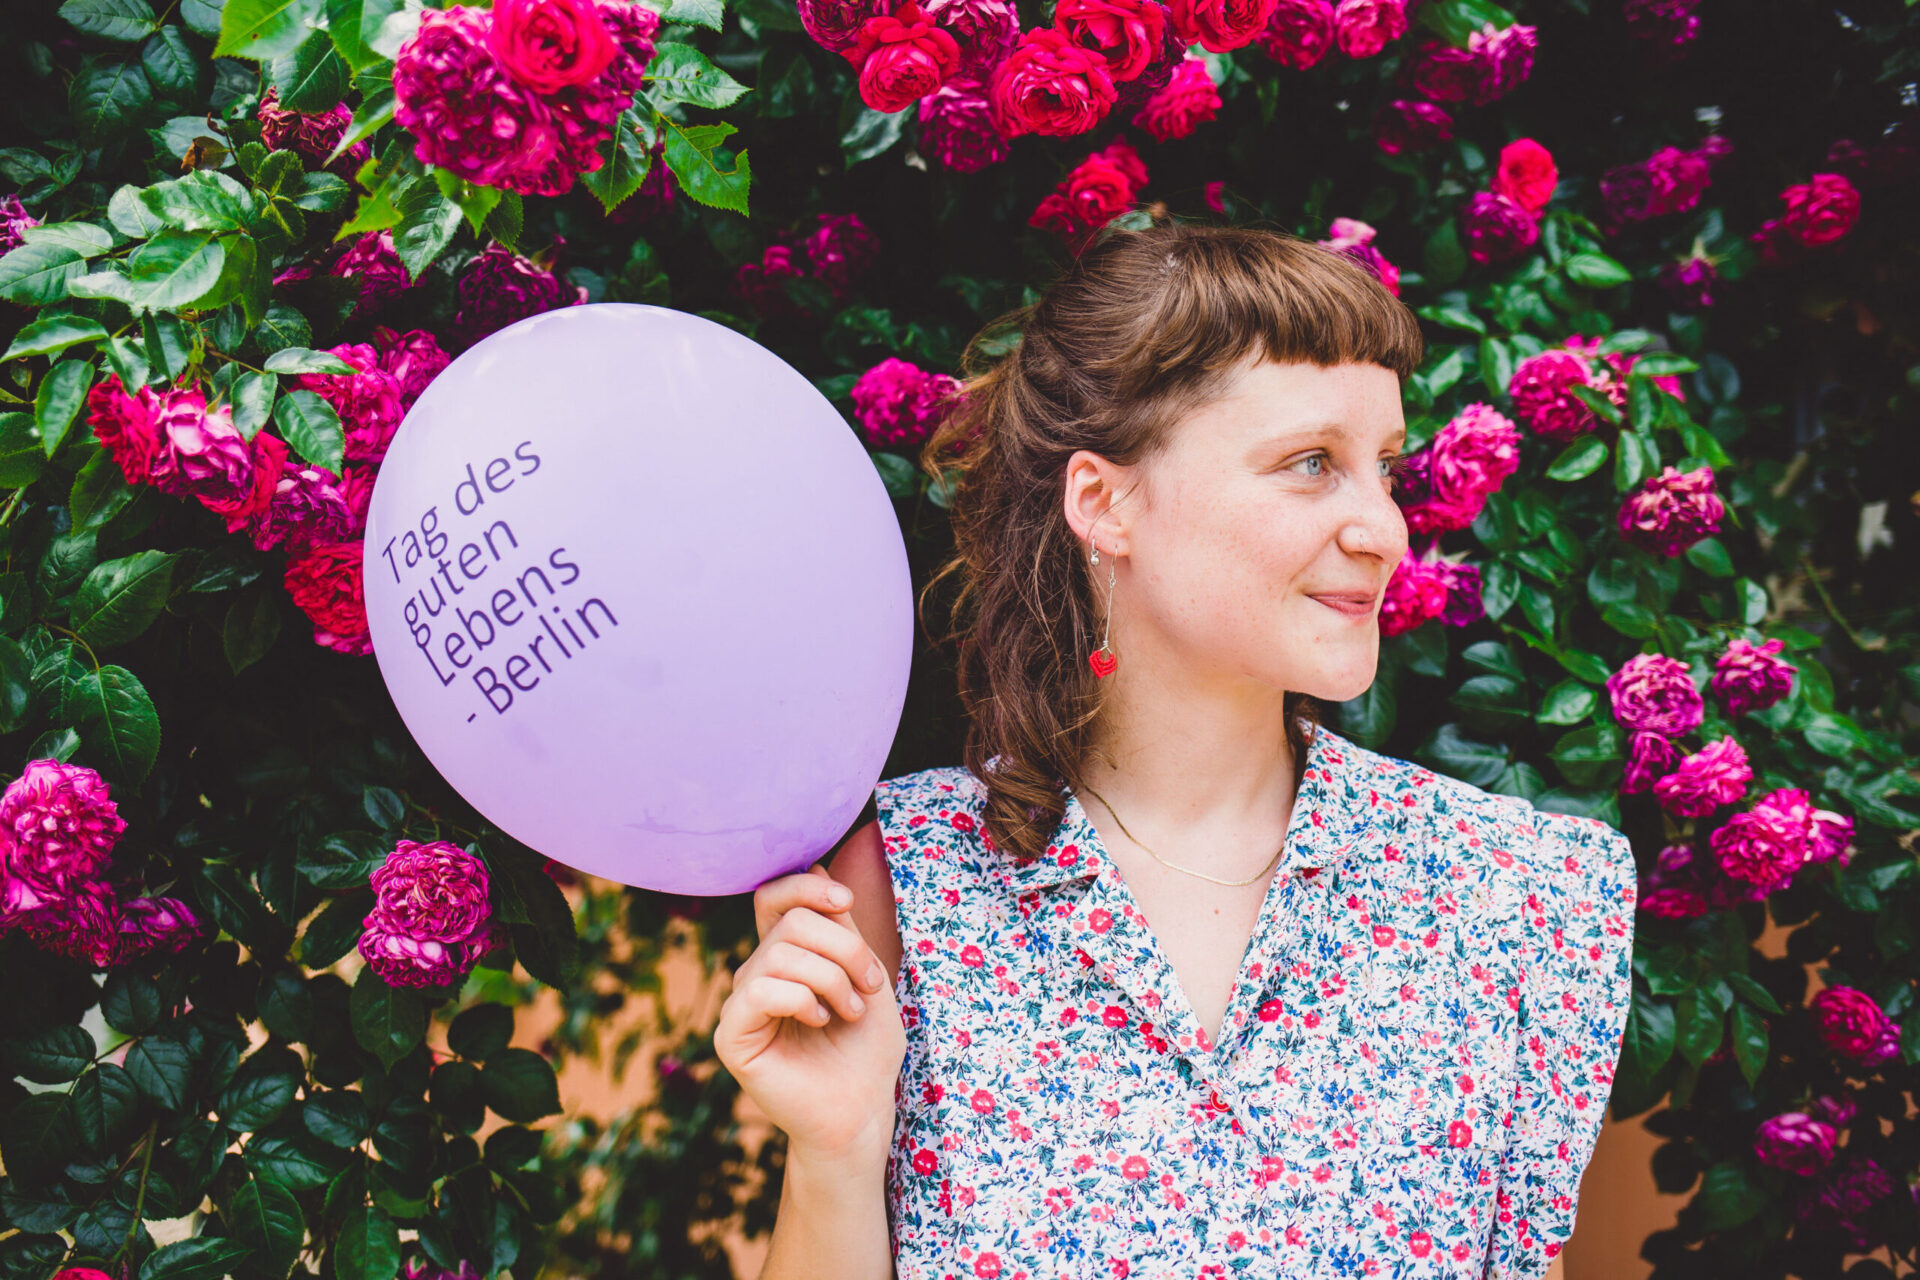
1315 463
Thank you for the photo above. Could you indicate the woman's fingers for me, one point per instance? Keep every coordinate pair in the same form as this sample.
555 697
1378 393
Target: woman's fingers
832 939
759 1000
825 978
812 888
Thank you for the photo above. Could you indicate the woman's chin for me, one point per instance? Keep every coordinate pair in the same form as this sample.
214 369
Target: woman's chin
1343 685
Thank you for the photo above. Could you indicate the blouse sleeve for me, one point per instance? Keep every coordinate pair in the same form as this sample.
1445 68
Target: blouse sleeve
1575 991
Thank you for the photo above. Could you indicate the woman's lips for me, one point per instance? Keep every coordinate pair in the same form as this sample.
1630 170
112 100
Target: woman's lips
1353 604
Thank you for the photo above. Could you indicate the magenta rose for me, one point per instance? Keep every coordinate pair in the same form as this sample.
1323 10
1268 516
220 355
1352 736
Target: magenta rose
1674 902
1356 239
1465 463
1129 34
1446 73
467 113
498 287
1829 837
1759 848
59 823
200 451
957 129
897 403
1526 174
372 261
758 284
1049 86
841 249
1690 282
310 135
1408 126
325 581
550 45
1671 511
1363 28
1836 1109
1495 227
1845 1197
1299 33
1654 693
80 919
241 509
162 925
1821 211
431 921
1650 757
356 488
835 24
1795 1142
1507 55
1189 100
1465 598
1715 775
14 223
1853 1025
985 30
901 57
366 400
1220 26
307 507
1542 391
1663 28
1749 677
413 359
1417 593
126 424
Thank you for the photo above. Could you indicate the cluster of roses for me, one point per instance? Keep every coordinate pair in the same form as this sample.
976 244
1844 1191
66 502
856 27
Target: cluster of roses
521 96
1839 1194
58 826
432 919
837 252
1095 192
1493 63
1504 220
1442 487
898 404
1758 850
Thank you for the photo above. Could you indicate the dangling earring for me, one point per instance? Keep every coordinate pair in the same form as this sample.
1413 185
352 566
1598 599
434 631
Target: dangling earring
1102 660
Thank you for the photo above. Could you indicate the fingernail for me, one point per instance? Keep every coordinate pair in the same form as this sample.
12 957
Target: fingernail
857 1003
874 976
840 895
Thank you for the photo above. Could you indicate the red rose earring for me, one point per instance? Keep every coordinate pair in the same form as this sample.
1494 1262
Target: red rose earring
1102 660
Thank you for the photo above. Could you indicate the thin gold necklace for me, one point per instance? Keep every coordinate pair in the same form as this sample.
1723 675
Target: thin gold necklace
1163 862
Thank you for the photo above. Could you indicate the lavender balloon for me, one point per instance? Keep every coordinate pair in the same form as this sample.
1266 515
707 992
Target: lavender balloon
640 596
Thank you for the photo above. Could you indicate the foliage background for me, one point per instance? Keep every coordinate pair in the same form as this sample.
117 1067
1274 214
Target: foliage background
259 1093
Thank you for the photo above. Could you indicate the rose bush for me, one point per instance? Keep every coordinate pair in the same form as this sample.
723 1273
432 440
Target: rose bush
1657 479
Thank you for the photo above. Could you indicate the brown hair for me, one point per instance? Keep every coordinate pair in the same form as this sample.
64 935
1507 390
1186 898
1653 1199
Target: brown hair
1140 330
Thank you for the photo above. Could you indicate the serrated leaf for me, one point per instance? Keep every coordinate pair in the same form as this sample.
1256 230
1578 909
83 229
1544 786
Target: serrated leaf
427 224
306 360
251 626
104 1103
49 334
108 98
36 274
37 1137
162 1069
519 1085
265 29
62 394
172 69
625 159
1596 271
175 268
311 428
387 1021
22 458
313 78
368 1246
126 20
692 152
53 1056
121 728
681 73
204 200
481 1031
201 1258
1578 460
100 490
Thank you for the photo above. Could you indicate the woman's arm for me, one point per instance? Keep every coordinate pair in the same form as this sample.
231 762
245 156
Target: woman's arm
1555 1271
832 1220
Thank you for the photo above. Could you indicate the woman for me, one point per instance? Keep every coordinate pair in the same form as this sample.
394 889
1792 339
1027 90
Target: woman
1382 1050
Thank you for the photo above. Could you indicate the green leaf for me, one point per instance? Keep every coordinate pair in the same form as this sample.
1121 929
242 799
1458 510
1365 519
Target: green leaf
282 327
1492 655
1596 271
695 13
1634 459
305 360
253 402
1702 444
693 153
267 1219
313 78
118 721
175 268
287 1154
1568 702
121 598
322 192
1710 556
311 429
387 1021
162 1070
1369 718
1579 460
481 1032
235 904
1752 600
1656 364
130 1002
106 99
1750 1045
62 394
1589 755
36 274
171 67
542 920
1649 1035
37 1139
104 1103
126 20
22 457
1454 318
129 216
1497 363
681 73
511 1147
337 1117
1728 1197
1700 1021
100 490
265 29
368 1246
1754 994
201 1258
53 1056
1455 754
52 333
254 1101
251 625
333 932
427 224
168 346
625 159
519 1085
204 200
354 25
84 238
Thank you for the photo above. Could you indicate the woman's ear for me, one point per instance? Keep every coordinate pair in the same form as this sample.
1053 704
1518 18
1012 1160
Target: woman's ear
1093 486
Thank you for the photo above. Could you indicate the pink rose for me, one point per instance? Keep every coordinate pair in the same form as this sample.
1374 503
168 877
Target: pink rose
1759 848
841 249
367 400
1543 399
1050 86
1795 1142
57 824
1854 1026
759 285
1128 34
550 45
835 24
1749 677
1188 101
126 425
956 127
1220 26
1715 775
1299 33
1416 593
1365 27
240 509
1821 211
984 29
901 57
413 359
1496 228
1406 126
431 920
1526 174
1670 512
147 925
1654 693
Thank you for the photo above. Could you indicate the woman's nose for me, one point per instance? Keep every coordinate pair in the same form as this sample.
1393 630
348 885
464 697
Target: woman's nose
1375 527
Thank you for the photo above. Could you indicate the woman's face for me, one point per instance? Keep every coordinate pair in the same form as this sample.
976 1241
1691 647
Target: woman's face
1266 538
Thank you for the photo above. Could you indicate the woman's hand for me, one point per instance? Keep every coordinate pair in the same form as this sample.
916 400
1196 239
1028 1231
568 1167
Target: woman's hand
811 1030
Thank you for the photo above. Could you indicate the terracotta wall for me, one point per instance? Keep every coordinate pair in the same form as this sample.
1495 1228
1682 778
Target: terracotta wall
1618 1205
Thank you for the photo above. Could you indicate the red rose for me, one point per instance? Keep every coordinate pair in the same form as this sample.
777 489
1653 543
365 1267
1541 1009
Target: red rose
325 582
1221 26
1051 86
269 456
1821 211
1126 33
550 45
902 57
1526 175
1188 100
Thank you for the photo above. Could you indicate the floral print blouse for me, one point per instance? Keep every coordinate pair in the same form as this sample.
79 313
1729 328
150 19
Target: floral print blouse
1410 1076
